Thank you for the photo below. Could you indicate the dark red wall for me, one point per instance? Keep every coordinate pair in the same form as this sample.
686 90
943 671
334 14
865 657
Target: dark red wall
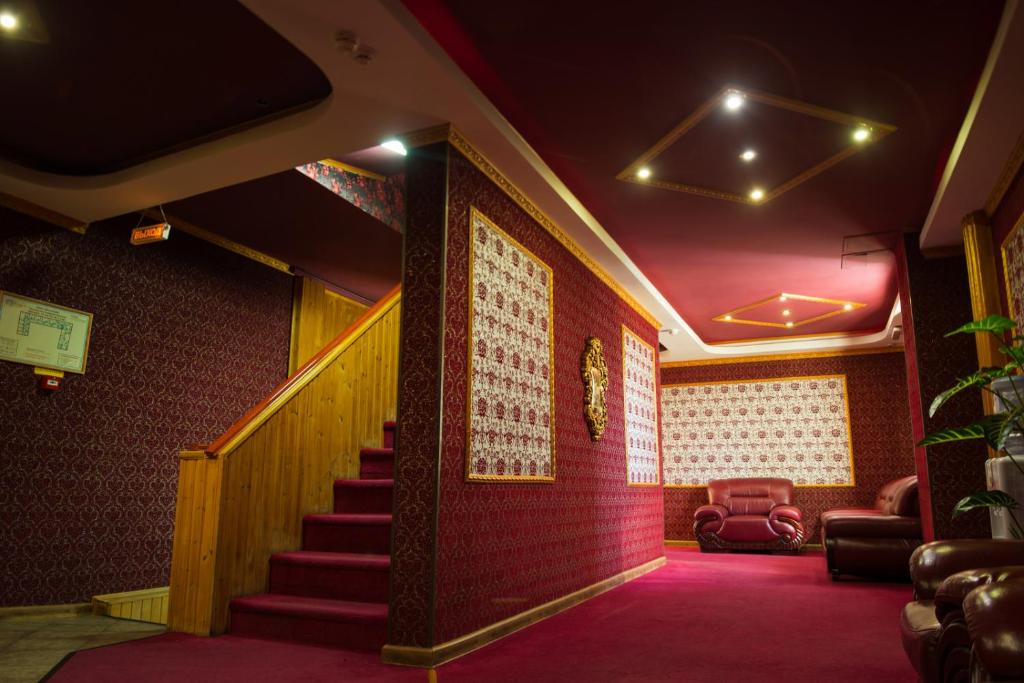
185 338
504 548
879 420
470 554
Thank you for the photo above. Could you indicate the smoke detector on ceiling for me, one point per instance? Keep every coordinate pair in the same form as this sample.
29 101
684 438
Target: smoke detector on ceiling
897 334
348 42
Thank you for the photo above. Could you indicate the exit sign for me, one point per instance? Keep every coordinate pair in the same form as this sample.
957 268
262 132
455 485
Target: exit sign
151 233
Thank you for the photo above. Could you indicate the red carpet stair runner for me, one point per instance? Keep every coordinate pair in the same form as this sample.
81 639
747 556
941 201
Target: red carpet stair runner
335 590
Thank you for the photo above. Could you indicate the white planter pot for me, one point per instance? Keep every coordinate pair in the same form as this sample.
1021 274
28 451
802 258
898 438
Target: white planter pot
1002 474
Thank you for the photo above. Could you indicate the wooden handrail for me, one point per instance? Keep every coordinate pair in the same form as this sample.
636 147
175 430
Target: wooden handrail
262 411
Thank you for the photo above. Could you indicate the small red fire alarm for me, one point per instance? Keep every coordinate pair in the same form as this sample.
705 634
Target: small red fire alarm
49 380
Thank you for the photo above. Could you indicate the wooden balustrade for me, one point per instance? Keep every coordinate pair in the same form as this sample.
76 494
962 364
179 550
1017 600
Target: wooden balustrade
242 498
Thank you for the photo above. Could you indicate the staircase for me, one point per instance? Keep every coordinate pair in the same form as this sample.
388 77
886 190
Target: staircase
334 591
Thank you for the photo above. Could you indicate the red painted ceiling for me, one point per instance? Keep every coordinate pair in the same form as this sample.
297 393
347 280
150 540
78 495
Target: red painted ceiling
593 89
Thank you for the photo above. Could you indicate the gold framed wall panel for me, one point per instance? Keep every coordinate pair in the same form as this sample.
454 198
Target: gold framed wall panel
638 351
524 387
673 419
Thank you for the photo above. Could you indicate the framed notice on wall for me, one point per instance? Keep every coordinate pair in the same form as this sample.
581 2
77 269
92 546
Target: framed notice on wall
43 334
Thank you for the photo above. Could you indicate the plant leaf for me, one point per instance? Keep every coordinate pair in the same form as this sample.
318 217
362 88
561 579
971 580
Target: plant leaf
977 379
1016 353
985 499
999 426
995 324
974 431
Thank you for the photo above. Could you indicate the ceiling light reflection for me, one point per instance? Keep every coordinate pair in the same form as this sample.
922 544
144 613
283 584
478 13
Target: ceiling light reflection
8 21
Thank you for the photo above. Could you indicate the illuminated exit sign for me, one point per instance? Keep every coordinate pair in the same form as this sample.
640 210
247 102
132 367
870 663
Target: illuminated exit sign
151 233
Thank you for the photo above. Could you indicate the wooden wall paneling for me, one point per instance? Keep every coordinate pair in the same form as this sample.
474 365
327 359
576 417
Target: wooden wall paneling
318 316
245 502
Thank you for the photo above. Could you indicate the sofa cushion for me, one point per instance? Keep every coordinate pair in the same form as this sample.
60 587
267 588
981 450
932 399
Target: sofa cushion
750 495
871 526
899 497
919 630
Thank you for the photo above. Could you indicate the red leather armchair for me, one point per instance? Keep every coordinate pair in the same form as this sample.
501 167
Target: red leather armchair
751 514
946 574
874 541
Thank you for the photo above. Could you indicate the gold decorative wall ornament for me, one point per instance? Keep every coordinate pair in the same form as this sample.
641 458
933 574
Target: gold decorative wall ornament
594 372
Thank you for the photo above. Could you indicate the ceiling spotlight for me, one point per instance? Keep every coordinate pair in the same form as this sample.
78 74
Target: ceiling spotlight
789 324
847 307
395 146
783 297
733 101
8 21
785 311
675 331
757 194
748 155
862 134
644 173
727 318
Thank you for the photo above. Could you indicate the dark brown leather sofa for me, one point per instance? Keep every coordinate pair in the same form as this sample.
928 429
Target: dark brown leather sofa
995 621
877 541
749 514
934 627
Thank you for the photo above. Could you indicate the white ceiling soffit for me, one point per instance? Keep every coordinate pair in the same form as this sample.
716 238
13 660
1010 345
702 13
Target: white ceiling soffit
990 130
410 84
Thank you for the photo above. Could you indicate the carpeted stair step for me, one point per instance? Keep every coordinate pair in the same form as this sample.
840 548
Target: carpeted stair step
377 463
363 495
334 623
336 576
347 533
389 434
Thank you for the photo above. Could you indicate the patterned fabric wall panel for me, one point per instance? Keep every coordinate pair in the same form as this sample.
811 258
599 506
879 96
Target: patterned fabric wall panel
503 549
511 395
879 422
1007 218
382 199
640 398
796 428
186 338
1013 271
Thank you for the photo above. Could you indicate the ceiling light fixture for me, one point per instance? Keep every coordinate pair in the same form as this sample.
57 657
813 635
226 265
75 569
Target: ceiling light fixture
847 307
727 318
783 297
395 146
733 101
757 194
748 155
862 134
644 173
789 324
785 311
8 21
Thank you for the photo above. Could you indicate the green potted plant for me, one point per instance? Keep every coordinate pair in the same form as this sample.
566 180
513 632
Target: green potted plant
1004 425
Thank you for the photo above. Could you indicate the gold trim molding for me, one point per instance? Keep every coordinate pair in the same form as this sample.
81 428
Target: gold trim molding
730 316
878 131
28 208
449 133
768 358
452 649
594 373
341 165
222 242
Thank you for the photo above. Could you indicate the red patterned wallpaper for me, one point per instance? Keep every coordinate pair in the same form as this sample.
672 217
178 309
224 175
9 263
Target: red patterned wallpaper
382 199
185 338
938 294
880 429
504 548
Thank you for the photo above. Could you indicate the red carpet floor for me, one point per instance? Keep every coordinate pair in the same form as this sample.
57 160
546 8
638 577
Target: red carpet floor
702 618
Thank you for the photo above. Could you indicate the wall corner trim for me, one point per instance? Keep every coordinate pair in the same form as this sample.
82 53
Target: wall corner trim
42 213
729 360
452 649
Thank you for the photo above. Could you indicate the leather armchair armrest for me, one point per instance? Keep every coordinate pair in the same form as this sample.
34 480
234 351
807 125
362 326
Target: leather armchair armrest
786 511
950 596
993 619
873 526
711 512
932 562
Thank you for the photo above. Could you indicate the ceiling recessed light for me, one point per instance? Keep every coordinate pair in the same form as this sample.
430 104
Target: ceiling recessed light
757 194
733 101
785 311
727 318
862 134
789 324
847 307
395 146
8 21
783 297
644 173
748 155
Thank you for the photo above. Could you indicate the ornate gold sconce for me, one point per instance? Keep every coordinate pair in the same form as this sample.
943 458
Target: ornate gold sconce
594 372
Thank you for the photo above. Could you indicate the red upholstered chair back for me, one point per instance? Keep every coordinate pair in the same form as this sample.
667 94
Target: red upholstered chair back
751 496
899 497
